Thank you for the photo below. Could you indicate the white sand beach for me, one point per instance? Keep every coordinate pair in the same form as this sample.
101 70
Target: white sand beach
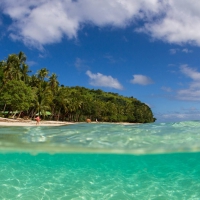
21 122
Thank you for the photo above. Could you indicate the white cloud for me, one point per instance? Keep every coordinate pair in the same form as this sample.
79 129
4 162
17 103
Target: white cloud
173 51
141 80
103 81
175 115
41 22
31 63
186 50
179 24
179 116
167 89
46 21
190 72
192 93
110 58
81 64
183 114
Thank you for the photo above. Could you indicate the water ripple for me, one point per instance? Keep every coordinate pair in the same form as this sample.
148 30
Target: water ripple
104 137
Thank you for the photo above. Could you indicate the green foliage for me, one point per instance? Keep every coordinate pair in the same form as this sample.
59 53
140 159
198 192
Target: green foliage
41 92
17 95
1 75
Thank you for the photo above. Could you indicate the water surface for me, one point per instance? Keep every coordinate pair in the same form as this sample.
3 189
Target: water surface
101 161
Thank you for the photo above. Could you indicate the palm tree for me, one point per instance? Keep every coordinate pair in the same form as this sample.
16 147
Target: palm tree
12 66
21 57
24 71
2 79
44 95
34 81
8 67
61 100
43 73
53 83
44 98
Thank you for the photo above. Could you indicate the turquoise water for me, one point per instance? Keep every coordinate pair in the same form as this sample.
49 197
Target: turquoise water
101 161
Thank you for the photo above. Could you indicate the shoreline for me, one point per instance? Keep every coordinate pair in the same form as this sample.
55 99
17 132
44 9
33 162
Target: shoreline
21 122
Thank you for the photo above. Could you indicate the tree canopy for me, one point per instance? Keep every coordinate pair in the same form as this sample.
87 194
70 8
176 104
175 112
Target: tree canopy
41 92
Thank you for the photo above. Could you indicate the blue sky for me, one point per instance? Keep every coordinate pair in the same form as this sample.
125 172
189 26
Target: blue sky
148 49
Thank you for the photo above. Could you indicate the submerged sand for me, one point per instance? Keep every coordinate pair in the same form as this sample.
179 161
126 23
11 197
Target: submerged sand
21 122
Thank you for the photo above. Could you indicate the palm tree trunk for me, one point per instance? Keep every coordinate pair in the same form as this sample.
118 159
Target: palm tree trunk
14 114
58 115
20 114
4 107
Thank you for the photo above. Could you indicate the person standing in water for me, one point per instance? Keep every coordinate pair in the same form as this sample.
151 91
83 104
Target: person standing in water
37 120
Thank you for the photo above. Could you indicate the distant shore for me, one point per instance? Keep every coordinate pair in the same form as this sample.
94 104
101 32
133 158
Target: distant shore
21 122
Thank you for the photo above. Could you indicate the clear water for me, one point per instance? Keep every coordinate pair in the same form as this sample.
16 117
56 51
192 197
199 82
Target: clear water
101 161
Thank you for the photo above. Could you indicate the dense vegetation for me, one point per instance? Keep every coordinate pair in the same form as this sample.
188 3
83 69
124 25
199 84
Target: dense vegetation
25 95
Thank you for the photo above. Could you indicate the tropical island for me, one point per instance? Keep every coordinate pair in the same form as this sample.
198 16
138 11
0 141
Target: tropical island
25 96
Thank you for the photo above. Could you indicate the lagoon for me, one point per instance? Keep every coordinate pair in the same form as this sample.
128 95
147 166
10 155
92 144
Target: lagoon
101 161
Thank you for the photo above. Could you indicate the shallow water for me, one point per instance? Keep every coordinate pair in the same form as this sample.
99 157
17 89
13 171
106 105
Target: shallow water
101 161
